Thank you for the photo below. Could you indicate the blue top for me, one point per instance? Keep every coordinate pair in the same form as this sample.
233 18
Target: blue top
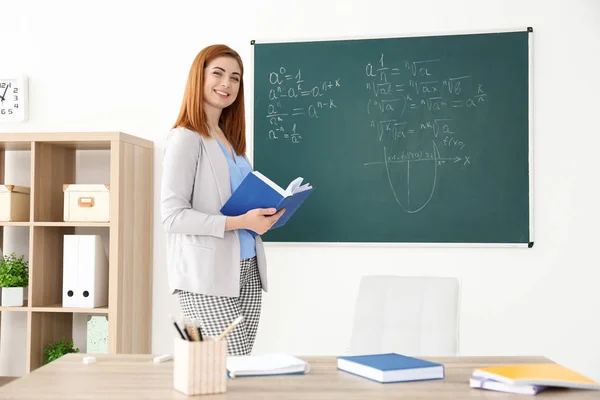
238 169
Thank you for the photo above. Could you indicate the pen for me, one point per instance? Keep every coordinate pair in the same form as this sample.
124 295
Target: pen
187 334
230 327
177 327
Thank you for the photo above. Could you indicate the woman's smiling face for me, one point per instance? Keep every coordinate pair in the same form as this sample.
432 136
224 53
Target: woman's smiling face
222 77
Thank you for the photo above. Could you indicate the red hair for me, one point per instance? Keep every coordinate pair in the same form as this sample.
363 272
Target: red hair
192 116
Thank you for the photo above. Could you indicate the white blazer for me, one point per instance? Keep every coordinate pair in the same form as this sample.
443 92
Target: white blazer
201 256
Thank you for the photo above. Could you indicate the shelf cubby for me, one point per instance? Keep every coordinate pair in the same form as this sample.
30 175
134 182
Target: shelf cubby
44 328
47 265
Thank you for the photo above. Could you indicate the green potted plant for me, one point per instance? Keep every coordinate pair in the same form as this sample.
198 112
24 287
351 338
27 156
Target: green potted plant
14 277
58 349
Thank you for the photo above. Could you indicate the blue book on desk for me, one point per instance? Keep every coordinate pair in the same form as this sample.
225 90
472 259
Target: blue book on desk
391 367
258 191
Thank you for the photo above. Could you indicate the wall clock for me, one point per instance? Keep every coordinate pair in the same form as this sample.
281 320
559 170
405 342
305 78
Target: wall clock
13 98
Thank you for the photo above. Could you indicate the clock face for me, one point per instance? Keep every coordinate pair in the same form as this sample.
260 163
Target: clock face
12 99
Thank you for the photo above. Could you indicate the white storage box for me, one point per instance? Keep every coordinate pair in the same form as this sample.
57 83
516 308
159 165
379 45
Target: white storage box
85 272
14 203
87 203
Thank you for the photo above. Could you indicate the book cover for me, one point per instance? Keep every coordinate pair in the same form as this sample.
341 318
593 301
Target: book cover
258 191
537 374
391 367
479 382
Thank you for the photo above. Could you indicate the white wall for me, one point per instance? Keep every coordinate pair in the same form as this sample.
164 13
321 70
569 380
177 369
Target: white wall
123 65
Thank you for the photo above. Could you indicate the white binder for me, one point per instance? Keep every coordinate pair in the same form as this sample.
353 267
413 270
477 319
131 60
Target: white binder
86 263
70 270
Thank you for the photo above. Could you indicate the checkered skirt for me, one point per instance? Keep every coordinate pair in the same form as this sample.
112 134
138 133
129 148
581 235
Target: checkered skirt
215 313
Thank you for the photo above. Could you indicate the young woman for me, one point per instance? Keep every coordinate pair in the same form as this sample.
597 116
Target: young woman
215 265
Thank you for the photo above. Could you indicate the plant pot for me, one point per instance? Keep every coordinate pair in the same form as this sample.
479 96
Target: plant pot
12 297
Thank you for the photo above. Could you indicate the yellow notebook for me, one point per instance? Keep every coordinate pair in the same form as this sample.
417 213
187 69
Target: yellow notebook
537 374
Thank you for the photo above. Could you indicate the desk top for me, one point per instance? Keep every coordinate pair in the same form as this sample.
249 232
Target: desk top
137 377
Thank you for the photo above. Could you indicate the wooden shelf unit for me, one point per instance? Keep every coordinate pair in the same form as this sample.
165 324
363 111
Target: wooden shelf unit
53 163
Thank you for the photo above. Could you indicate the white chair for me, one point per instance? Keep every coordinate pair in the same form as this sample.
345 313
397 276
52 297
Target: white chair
413 316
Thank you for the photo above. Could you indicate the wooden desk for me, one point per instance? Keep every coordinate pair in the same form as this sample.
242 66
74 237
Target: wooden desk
137 377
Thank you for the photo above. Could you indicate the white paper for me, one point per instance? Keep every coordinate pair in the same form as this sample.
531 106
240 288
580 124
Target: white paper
292 188
270 364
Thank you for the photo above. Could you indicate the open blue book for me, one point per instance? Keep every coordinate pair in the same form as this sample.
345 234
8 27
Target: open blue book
258 191
391 367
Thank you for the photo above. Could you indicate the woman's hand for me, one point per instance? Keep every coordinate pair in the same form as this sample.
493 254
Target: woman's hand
258 220
261 220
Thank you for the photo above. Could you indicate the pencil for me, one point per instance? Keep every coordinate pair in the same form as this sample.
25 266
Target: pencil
230 327
193 332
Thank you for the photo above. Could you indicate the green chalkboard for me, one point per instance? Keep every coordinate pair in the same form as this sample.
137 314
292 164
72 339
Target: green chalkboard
416 139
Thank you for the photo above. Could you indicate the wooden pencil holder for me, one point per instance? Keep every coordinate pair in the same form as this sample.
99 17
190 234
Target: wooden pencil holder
200 367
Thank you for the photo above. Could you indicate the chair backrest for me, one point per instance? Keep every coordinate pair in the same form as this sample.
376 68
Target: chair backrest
414 316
